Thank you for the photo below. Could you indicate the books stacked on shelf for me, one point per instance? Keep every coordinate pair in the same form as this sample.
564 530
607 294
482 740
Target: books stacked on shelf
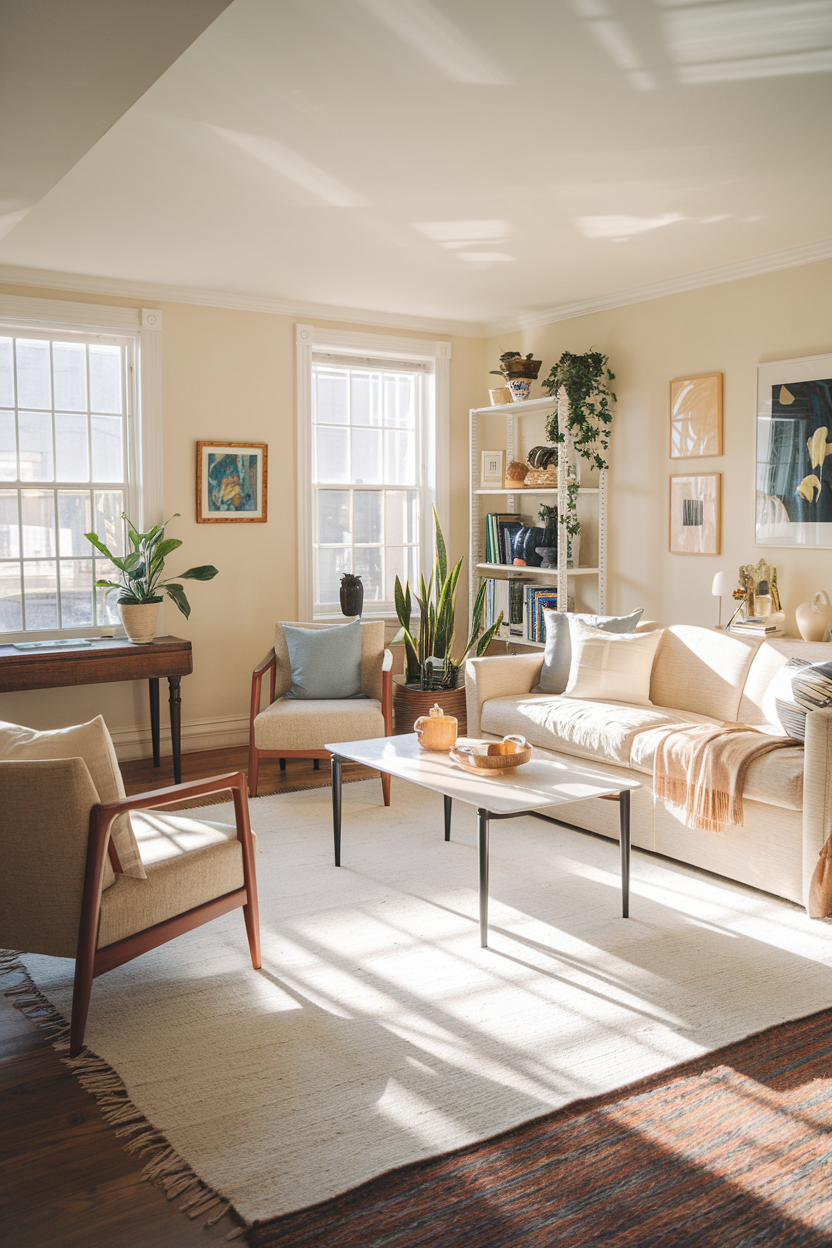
500 531
759 626
522 604
535 599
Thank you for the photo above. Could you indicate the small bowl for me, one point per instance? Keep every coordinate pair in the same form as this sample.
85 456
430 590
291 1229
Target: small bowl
493 756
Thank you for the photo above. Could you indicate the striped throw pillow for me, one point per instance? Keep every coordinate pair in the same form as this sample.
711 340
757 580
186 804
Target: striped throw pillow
811 690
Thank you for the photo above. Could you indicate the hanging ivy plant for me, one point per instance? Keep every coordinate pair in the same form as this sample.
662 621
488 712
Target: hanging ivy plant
585 379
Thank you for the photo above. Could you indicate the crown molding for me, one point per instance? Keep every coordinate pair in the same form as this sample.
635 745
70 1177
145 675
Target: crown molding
795 256
147 291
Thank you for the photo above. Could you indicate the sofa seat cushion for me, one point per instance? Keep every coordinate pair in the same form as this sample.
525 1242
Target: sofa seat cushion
290 724
602 730
188 861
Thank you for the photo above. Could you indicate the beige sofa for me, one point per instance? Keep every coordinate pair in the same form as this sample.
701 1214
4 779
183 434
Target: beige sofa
699 675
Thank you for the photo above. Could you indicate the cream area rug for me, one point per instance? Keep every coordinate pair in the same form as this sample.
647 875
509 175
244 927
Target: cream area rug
379 1032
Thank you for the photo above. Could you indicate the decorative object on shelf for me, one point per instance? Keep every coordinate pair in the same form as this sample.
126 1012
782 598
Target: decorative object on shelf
723 586
140 585
351 594
542 456
532 538
794 441
695 514
814 618
500 395
493 757
516 474
696 416
519 372
548 557
493 470
541 478
759 608
231 482
436 730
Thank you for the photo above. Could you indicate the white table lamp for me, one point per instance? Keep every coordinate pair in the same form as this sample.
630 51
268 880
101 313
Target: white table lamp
723 586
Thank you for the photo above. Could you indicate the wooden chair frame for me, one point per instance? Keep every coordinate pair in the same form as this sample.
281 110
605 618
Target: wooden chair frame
254 755
91 961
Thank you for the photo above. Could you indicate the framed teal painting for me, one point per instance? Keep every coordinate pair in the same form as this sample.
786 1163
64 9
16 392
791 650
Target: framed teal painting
231 482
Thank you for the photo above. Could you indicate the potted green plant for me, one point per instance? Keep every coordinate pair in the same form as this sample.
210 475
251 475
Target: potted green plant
140 584
430 665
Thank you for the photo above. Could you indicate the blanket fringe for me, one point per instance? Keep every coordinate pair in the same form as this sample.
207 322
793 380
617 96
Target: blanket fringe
165 1168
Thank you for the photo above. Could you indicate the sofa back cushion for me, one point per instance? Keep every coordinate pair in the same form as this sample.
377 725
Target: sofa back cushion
557 656
701 670
610 667
765 681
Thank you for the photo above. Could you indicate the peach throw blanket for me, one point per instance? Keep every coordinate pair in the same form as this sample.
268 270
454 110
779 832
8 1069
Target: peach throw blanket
701 769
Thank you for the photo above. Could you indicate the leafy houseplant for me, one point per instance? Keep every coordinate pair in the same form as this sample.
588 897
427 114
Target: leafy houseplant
430 662
584 380
140 584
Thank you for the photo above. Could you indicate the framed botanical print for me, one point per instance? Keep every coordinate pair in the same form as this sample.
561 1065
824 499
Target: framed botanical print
696 514
231 482
493 470
794 446
696 416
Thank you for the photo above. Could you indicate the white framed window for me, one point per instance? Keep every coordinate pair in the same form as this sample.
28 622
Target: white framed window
372 417
72 459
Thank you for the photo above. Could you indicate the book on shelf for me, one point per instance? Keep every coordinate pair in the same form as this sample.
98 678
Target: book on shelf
760 626
500 530
522 603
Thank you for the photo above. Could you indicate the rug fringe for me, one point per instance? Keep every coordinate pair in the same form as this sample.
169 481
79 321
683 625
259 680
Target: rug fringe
165 1168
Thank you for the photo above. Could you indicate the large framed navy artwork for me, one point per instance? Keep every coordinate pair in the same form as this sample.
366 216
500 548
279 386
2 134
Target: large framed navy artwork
794 452
231 482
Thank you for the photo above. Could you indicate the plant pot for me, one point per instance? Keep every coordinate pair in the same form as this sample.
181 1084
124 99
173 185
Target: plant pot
139 620
573 557
519 387
410 704
501 395
351 594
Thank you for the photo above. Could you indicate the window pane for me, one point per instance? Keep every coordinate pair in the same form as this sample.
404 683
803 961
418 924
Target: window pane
33 389
331 396
399 408
76 592
107 462
106 604
35 429
73 522
71 447
395 565
38 510
6 373
366 398
368 567
40 586
109 526
69 376
332 564
366 456
9 525
332 455
334 517
105 380
11 609
399 457
367 507
8 454
401 516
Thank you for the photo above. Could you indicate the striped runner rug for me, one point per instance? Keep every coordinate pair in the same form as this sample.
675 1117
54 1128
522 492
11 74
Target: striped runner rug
730 1150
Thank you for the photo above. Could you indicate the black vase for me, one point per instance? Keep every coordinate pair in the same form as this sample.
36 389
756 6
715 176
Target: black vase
534 538
352 594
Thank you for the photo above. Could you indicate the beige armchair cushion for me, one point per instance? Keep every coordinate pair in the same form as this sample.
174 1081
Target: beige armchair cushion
90 742
372 655
289 724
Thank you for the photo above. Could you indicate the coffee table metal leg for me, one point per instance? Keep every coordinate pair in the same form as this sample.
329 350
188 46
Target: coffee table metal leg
448 803
624 824
336 807
482 829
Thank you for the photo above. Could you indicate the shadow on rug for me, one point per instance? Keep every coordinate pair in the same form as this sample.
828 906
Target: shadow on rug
730 1150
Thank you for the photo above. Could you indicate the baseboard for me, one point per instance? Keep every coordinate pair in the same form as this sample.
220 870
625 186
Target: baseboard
197 734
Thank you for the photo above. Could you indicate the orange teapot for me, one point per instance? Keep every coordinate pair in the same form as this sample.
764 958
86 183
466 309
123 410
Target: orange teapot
436 731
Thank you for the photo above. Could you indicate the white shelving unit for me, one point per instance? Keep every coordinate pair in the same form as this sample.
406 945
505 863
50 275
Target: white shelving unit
478 568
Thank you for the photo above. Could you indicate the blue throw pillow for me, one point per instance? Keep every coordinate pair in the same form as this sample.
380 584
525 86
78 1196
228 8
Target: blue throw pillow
325 662
557 656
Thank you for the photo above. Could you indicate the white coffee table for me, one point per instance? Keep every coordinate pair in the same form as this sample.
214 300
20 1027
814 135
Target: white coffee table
546 780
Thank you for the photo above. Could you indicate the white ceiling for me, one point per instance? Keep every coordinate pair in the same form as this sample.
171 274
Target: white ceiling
458 159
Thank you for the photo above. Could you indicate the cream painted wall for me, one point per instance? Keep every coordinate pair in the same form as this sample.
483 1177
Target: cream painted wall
231 374
728 328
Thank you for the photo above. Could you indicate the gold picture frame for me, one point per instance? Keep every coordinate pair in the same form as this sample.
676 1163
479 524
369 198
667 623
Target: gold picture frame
696 416
696 513
231 482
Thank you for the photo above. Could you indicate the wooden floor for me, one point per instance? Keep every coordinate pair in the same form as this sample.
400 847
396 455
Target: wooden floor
65 1181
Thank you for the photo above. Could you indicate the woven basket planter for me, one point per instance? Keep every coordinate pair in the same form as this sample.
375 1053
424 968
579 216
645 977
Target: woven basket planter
409 704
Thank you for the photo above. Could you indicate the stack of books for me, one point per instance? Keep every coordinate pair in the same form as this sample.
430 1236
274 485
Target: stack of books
522 603
759 626
500 531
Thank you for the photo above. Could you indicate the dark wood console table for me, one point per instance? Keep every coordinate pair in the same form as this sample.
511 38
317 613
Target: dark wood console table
102 662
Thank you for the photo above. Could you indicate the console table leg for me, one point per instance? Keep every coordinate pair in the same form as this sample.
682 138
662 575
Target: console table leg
448 804
154 719
336 807
624 823
176 726
482 838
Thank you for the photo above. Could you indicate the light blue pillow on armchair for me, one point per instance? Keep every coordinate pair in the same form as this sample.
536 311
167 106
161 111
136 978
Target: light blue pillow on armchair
557 655
325 662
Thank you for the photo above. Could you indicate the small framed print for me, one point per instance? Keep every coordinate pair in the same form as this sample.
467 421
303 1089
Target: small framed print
231 482
493 470
696 416
696 514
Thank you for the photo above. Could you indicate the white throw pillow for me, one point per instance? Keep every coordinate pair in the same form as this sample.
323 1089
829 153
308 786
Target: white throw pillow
610 667
93 744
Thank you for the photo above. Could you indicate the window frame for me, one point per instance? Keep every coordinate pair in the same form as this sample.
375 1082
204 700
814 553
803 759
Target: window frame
139 331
